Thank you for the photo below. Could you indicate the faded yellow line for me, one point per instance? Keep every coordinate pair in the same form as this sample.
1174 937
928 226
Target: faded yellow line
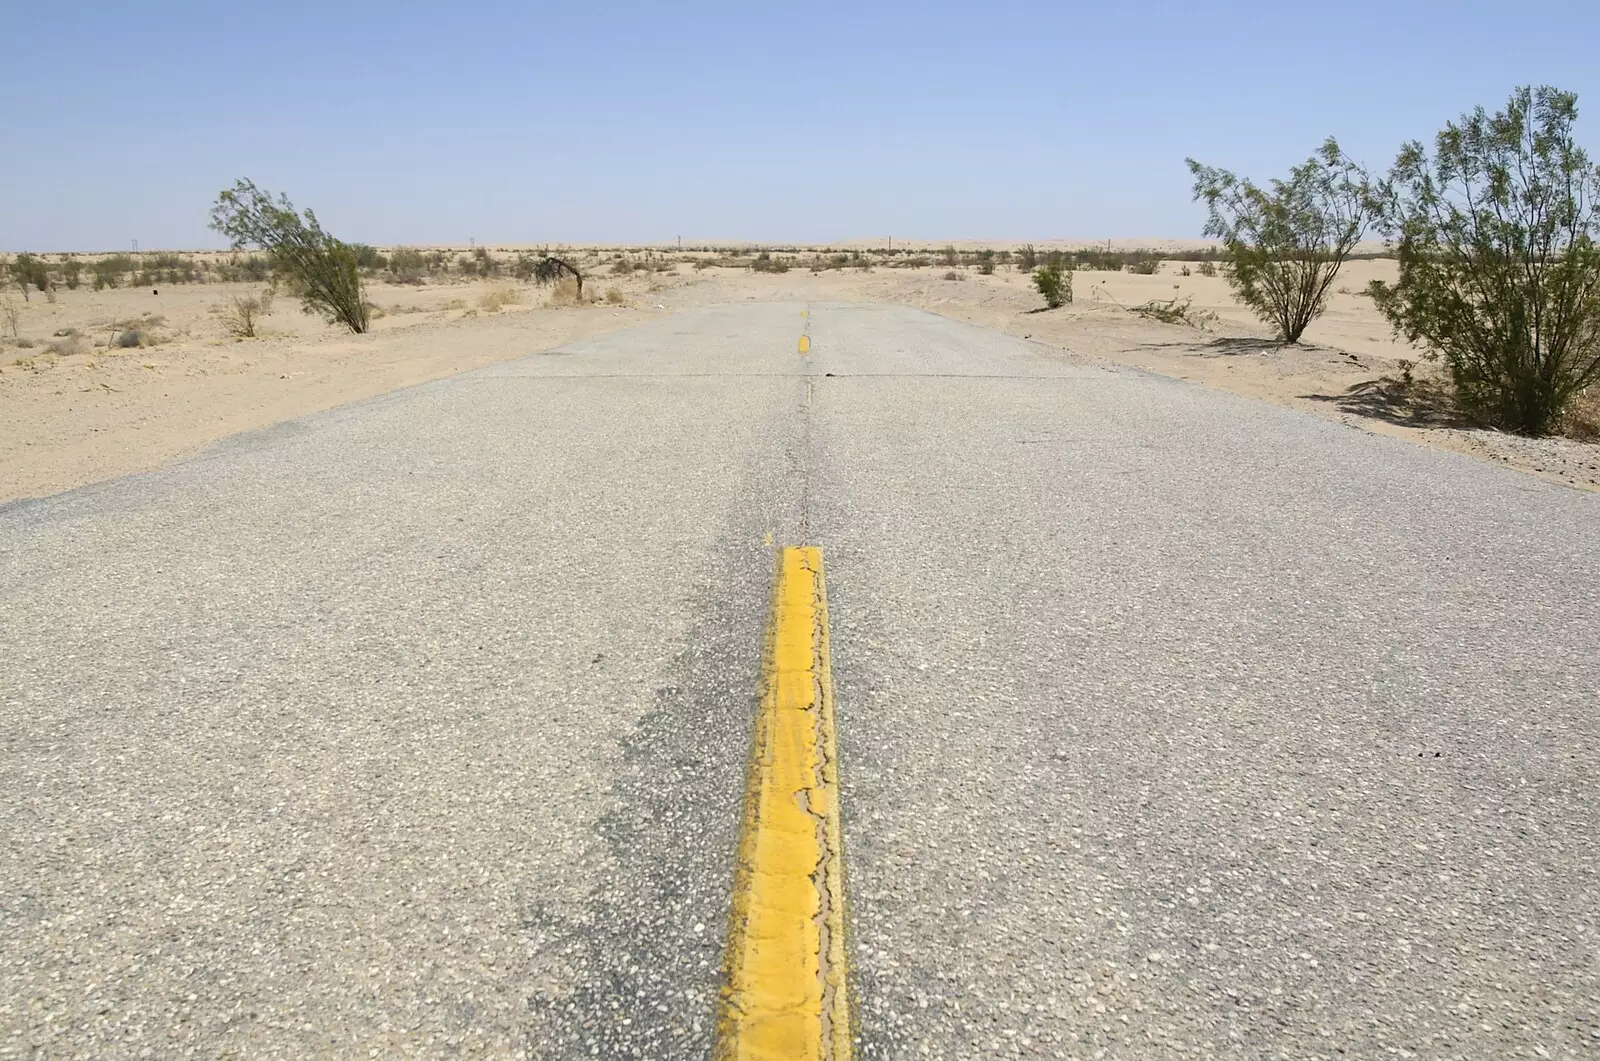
785 998
805 344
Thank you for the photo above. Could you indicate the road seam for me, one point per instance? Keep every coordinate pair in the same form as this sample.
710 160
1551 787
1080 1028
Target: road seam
785 996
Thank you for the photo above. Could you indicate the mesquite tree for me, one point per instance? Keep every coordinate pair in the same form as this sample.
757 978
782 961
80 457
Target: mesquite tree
1499 270
549 269
1286 242
321 269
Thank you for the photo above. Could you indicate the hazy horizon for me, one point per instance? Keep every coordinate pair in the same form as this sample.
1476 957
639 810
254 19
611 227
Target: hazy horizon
830 123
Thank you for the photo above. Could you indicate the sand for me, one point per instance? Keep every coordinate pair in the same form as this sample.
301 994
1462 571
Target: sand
82 411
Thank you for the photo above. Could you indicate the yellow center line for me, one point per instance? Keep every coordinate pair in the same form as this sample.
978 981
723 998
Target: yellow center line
785 998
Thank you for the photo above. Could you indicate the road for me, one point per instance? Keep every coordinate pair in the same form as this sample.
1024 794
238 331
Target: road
1170 724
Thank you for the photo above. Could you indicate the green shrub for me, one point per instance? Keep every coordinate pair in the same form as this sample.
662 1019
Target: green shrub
1499 269
321 269
948 256
1286 242
1175 311
368 257
1055 284
405 261
1207 269
28 269
1147 267
109 271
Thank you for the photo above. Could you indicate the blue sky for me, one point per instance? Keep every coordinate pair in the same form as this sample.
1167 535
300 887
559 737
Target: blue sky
574 122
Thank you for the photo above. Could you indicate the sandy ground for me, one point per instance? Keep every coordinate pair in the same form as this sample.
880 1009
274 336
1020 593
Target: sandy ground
75 410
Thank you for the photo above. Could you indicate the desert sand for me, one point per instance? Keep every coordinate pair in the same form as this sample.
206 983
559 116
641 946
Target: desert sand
75 408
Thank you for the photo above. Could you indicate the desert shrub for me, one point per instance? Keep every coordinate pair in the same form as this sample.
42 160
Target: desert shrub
948 256
552 270
9 314
496 300
566 292
129 338
621 267
766 263
321 269
615 296
1145 267
1286 242
1583 415
165 268
1499 271
368 257
242 313
72 273
28 269
109 271
1055 284
1207 269
1184 271
255 269
407 263
952 275
986 262
1175 311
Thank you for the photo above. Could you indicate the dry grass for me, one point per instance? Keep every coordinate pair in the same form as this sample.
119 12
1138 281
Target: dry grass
1583 416
496 300
615 297
65 347
241 314
565 293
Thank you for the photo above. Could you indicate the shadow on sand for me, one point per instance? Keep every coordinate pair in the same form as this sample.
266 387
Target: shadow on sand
1414 403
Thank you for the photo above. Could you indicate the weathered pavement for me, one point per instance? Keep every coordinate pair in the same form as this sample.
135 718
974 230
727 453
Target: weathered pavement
1171 724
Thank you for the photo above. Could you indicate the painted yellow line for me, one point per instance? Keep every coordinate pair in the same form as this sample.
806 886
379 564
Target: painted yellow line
785 997
805 344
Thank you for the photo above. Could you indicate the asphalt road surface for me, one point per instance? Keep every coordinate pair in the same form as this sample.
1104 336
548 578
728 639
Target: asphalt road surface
1171 724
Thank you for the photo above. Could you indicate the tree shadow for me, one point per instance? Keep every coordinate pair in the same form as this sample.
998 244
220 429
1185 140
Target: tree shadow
1229 346
1233 346
1407 403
